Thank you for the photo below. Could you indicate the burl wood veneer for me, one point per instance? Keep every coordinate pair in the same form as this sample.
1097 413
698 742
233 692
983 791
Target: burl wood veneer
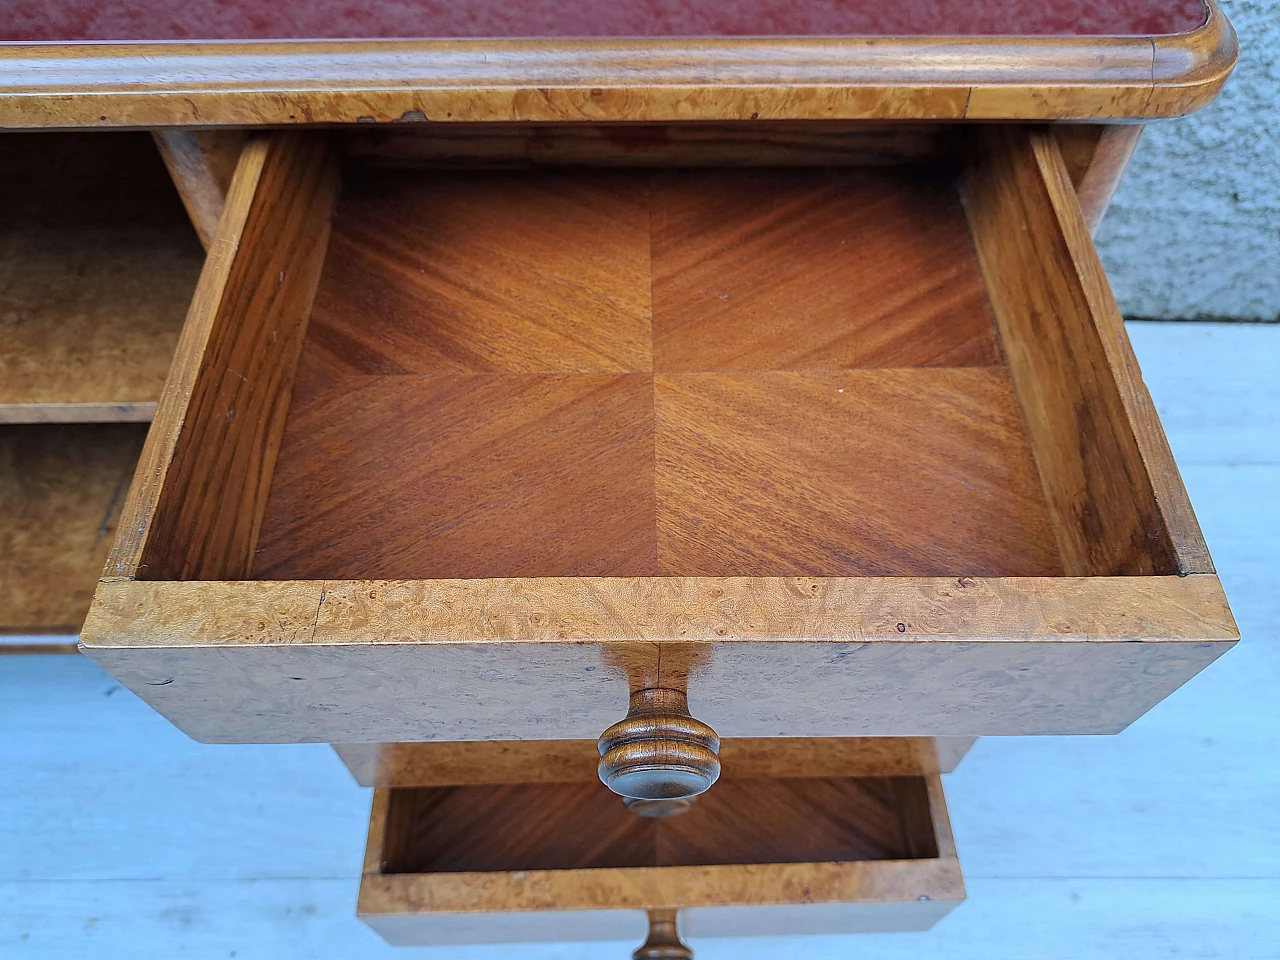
473 455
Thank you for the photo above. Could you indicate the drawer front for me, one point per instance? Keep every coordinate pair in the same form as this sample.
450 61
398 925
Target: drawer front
539 861
837 452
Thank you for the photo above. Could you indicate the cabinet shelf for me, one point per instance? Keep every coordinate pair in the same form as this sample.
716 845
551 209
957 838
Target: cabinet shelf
97 266
61 487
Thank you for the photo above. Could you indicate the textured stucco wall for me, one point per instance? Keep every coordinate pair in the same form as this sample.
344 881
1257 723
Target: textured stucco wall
1194 230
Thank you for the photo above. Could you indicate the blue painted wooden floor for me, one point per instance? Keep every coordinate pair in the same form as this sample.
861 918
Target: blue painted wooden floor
120 838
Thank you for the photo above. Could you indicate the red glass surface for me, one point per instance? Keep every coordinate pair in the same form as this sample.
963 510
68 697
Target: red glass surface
141 20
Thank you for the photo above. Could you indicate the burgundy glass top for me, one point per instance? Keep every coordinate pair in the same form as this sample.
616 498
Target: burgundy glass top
157 20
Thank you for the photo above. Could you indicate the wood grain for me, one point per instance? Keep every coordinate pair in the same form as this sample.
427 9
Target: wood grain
849 473
1099 495
452 306
663 941
856 78
760 900
579 826
715 900
1171 498
1181 65
250 662
61 487
1096 156
1097 441
768 270
97 268
1214 384
195 506
556 658
574 761
490 273
1078 142
467 476
201 165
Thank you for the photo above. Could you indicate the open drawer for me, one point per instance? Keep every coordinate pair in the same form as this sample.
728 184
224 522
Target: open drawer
839 450
777 855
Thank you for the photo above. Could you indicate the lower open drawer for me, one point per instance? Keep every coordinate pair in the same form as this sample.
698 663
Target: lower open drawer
512 862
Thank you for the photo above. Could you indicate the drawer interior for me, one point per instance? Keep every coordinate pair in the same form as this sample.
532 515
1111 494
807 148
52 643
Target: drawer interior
582 826
566 371
97 266
787 371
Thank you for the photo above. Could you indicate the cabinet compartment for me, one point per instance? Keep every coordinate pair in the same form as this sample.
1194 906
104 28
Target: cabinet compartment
61 489
97 267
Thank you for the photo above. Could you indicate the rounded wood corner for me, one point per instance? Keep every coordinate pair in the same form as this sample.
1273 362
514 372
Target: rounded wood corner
1188 70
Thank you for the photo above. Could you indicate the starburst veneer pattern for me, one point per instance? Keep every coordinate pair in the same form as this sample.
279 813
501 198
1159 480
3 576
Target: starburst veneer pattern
649 373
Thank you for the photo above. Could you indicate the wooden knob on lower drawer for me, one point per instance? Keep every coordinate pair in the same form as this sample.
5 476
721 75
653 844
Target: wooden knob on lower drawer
664 939
659 752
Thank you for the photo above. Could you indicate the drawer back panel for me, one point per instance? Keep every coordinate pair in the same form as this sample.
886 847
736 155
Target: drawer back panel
582 825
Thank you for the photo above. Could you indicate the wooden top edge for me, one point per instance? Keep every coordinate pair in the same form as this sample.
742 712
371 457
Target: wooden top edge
152 615
877 881
1190 69
927 78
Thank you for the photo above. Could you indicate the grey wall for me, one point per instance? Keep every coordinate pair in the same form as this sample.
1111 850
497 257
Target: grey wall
1194 230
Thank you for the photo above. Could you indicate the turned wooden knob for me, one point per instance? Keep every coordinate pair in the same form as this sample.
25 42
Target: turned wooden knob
664 939
659 752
